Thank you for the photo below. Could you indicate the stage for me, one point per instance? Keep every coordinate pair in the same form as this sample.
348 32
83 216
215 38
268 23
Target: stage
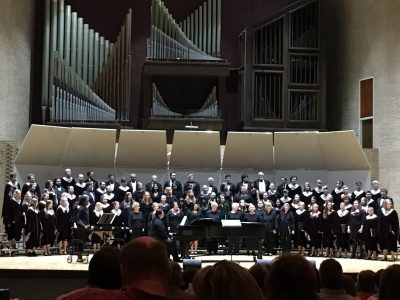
49 276
59 263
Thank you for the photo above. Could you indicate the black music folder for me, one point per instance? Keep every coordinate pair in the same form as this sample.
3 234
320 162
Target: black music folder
106 219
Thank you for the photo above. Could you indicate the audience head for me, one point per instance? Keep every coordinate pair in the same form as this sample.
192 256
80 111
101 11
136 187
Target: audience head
145 266
226 280
349 285
296 271
389 287
366 281
260 273
330 274
104 269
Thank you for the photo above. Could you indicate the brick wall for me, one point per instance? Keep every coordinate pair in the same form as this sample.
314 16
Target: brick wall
363 42
16 31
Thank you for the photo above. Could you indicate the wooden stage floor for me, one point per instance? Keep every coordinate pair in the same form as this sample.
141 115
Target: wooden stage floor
59 263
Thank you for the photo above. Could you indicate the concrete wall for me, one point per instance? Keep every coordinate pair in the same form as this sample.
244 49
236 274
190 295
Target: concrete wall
363 38
16 39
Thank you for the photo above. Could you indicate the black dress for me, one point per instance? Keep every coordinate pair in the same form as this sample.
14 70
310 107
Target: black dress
192 216
301 218
271 224
337 198
48 225
146 209
357 195
13 221
173 220
306 197
286 226
389 229
330 226
33 228
371 229
294 190
314 229
356 219
63 224
343 236
136 224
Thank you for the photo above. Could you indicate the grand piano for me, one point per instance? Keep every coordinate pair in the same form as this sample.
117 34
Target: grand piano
207 229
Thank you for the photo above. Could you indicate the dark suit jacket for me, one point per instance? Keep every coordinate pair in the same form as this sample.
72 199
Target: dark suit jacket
149 186
178 185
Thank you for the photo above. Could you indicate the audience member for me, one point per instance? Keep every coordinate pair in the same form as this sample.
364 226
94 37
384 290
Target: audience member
389 287
365 284
260 274
175 280
349 285
292 277
330 274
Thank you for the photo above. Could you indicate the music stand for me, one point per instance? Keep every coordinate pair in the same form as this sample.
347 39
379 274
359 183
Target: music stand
106 219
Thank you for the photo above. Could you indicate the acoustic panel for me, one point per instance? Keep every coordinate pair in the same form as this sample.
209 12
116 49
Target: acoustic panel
142 149
90 147
244 150
196 149
342 151
43 145
297 150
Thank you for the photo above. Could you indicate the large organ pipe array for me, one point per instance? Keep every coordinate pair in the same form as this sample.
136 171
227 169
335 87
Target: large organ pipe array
195 38
114 80
208 110
74 57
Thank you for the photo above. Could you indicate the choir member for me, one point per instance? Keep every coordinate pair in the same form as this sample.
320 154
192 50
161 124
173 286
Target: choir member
211 186
293 188
32 192
314 230
122 190
389 229
67 180
139 193
136 221
32 228
244 182
330 224
13 219
112 183
343 236
126 207
100 191
363 204
251 216
90 193
80 185
260 208
90 178
242 206
48 225
285 198
106 206
346 193
28 186
11 184
242 194
146 208
286 227
192 184
371 229
132 183
159 232
325 196
272 193
271 226
164 204
156 194
355 228
193 214
254 193
295 203
347 204
227 192
63 225
358 193
317 191
204 196
301 218
149 186
375 191
118 224
174 218
58 189
235 214
109 195
215 214
223 206
281 187
306 194
95 216
71 196
261 184
173 181
312 202
337 194
371 202
384 196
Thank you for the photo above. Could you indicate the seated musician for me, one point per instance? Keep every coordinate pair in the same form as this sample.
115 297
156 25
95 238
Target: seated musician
215 214
159 232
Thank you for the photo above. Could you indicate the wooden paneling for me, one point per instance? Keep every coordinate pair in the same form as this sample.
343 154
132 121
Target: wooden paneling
366 98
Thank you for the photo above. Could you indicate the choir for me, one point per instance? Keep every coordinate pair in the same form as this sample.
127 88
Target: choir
316 219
